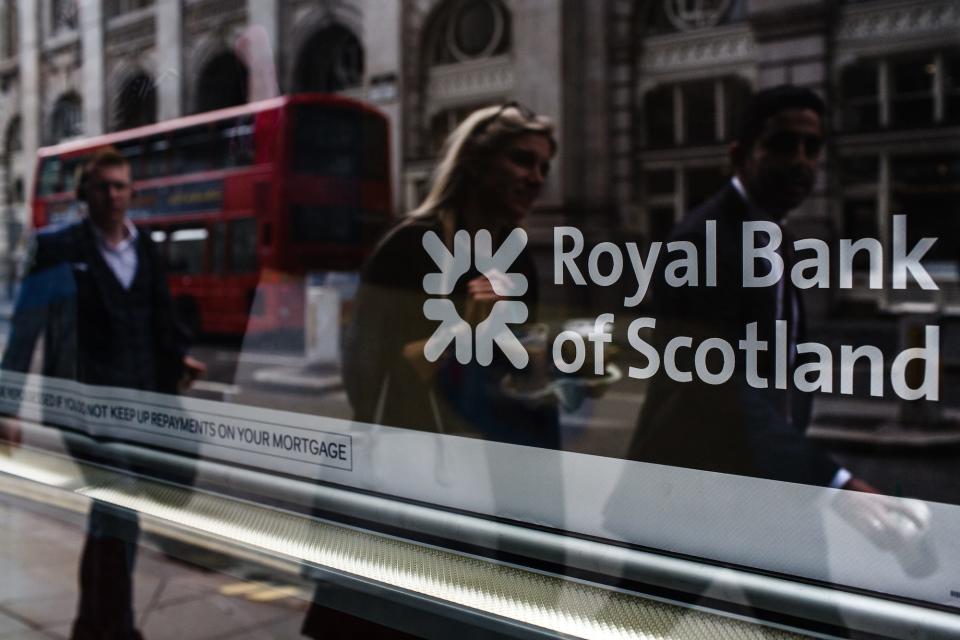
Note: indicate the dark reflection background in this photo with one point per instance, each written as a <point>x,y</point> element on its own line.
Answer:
<point>645,96</point>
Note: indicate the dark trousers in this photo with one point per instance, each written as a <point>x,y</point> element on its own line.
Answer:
<point>106,575</point>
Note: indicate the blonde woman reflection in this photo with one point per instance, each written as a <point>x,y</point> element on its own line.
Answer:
<point>493,168</point>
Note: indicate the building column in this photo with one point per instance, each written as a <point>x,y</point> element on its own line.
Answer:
<point>383,53</point>
<point>30,101</point>
<point>91,44</point>
<point>169,74</point>
<point>258,48</point>
<point>793,48</point>
<point>538,53</point>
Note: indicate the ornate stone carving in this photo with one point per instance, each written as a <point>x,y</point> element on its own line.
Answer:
<point>201,15</point>
<point>130,36</point>
<point>870,23</point>
<point>454,83</point>
<point>672,53</point>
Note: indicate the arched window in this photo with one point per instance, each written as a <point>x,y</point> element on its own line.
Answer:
<point>136,103</point>
<point>331,60</point>
<point>469,29</point>
<point>222,83</point>
<point>66,121</point>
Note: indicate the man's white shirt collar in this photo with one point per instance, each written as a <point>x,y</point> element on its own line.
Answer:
<point>121,258</point>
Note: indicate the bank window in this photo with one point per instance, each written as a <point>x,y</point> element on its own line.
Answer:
<point>908,91</point>
<point>924,188</point>
<point>912,91</point>
<point>694,113</point>
<point>861,95</point>
<point>659,117</point>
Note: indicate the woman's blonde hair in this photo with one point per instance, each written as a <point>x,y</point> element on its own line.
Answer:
<point>482,133</point>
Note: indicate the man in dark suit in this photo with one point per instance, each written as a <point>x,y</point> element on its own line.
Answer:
<point>97,292</point>
<point>736,427</point>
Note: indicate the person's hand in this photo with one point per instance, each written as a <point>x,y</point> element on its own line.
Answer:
<point>856,484</point>
<point>890,523</point>
<point>192,369</point>
<point>11,432</point>
<point>481,296</point>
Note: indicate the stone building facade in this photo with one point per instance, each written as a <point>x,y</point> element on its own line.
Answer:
<point>645,92</point>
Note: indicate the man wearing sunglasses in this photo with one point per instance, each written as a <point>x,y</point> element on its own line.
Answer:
<point>739,427</point>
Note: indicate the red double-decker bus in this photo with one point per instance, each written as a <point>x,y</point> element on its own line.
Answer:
<point>245,202</point>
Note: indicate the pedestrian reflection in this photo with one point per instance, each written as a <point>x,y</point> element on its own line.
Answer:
<point>97,292</point>
<point>740,426</point>
<point>435,269</point>
<point>446,312</point>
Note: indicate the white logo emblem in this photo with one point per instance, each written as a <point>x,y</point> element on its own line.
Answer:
<point>496,267</point>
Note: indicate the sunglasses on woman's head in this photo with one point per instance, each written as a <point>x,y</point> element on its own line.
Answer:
<point>526,112</point>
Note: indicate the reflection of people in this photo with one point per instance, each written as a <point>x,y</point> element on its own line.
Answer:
<point>734,427</point>
<point>494,167</point>
<point>98,293</point>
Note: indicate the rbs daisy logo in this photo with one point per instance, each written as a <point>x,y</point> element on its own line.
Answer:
<point>496,267</point>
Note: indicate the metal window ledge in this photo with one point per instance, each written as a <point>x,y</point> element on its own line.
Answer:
<point>515,600</point>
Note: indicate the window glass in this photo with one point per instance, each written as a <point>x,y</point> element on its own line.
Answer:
<point>243,245</point>
<point>912,81</point>
<point>699,109</point>
<point>343,144</point>
<point>59,175</point>
<point>659,117</point>
<point>859,170</point>
<point>660,181</point>
<point>224,144</point>
<point>218,247</point>
<point>476,318</point>
<point>926,185</point>
<point>860,85</point>
<point>952,86</point>
<point>187,249</point>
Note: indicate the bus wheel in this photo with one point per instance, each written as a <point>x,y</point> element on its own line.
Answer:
<point>188,314</point>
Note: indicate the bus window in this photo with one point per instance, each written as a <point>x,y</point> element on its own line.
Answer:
<point>325,224</point>
<point>49,176</point>
<point>211,147</point>
<point>234,142</point>
<point>218,247</point>
<point>154,163</point>
<point>186,250</point>
<point>243,245</point>
<point>339,143</point>
<point>58,175</point>
<point>190,148</point>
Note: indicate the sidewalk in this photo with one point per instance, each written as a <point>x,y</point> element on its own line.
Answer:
<point>39,559</point>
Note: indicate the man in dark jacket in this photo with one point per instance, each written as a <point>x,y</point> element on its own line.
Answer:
<point>738,427</point>
<point>98,294</point>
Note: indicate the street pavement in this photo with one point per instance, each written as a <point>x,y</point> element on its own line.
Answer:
<point>174,600</point>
